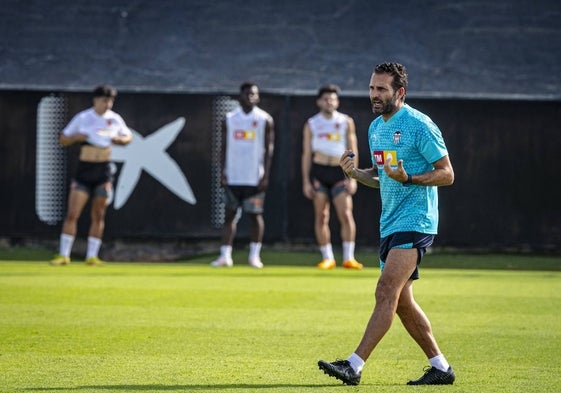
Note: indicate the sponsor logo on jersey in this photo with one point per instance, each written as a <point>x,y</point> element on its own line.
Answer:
<point>380,156</point>
<point>330,136</point>
<point>103,132</point>
<point>246,135</point>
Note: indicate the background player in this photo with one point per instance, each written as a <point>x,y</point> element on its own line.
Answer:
<point>325,137</point>
<point>247,152</point>
<point>96,129</point>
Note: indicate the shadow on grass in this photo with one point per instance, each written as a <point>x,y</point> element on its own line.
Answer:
<point>186,387</point>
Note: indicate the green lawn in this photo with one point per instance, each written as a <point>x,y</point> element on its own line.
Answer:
<point>186,327</point>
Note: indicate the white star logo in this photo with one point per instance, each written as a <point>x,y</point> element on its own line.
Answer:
<point>149,154</point>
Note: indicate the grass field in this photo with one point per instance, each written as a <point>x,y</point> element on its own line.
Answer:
<point>186,327</point>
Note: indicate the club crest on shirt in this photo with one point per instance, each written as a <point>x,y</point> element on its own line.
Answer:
<point>396,137</point>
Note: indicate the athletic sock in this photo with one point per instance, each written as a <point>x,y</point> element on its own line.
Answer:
<point>356,362</point>
<point>327,251</point>
<point>226,251</point>
<point>66,242</point>
<point>439,362</point>
<point>254,251</point>
<point>348,251</point>
<point>93,247</point>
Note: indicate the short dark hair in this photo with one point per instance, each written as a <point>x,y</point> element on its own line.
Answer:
<point>247,85</point>
<point>105,91</point>
<point>330,88</point>
<point>397,71</point>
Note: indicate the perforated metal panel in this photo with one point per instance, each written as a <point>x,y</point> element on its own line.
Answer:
<point>220,107</point>
<point>50,183</point>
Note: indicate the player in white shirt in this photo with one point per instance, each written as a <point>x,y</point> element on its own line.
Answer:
<point>325,137</point>
<point>247,152</point>
<point>96,129</point>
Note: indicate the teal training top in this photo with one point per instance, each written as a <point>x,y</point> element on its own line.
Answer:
<point>411,136</point>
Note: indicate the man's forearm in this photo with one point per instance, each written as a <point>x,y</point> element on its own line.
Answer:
<point>365,176</point>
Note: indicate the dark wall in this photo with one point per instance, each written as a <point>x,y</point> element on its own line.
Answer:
<point>506,162</point>
<point>504,154</point>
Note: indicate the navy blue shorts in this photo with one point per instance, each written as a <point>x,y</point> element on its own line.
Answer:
<point>406,240</point>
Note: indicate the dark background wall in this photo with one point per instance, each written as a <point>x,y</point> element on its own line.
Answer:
<point>504,197</point>
<point>486,72</point>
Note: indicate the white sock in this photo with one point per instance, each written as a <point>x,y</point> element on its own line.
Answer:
<point>439,362</point>
<point>226,251</point>
<point>93,247</point>
<point>66,242</point>
<point>356,362</point>
<point>327,251</point>
<point>348,251</point>
<point>254,251</point>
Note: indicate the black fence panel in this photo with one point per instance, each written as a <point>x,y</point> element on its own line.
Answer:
<point>504,154</point>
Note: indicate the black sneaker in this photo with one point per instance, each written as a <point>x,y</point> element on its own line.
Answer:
<point>342,370</point>
<point>434,376</point>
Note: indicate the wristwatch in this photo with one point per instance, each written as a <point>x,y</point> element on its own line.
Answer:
<point>409,181</point>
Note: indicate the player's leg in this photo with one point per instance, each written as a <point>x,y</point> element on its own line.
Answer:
<point>77,199</point>
<point>229,228</point>
<point>253,207</point>
<point>419,327</point>
<point>343,203</point>
<point>257,229</point>
<point>100,201</point>
<point>321,182</point>
<point>416,322</point>
<point>399,265</point>
<point>322,206</point>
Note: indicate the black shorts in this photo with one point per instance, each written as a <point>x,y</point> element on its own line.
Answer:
<point>417,240</point>
<point>92,176</point>
<point>327,179</point>
<point>248,198</point>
